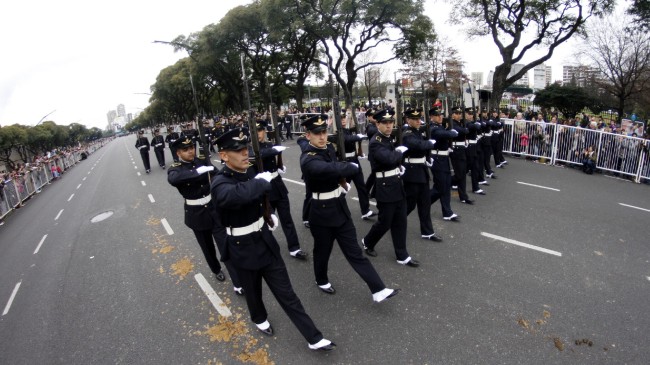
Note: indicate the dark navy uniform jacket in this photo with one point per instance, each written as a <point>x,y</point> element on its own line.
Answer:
<point>383,157</point>
<point>158,142</point>
<point>371,130</point>
<point>269,160</point>
<point>322,172</point>
<point>142,141</point>
<point>442,136</point>
<point>238,200</point>
<point>191,185</point>
<point>171,137</point>
<point>351,140</point>
<point>418,146</point>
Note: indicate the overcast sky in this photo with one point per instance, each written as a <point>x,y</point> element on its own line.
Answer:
<point>79,59</point>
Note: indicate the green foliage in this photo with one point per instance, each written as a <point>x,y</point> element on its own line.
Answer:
<point>568,99</point>
<point>640,10</point>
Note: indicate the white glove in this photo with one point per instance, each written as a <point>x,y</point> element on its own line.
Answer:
<point>362,136</point>
<point>362,157</point>
<point>429,162</point>
<point>275,223</point>
<point>347,188</point>
<point>402,149</point>
<point>279,148</point>
<point>282,170</point>
<point>354,164</point>
<point>455,132</point>
<point>203,169</point>
<point>265,175</point>
<point>402,170</point>
<point>432,141</point>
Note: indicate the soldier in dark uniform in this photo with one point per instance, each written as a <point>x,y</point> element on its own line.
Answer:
<point>385,161</point>
<point>279,195</point>
<point>329,215</point>
<point>190,132</point>
<point>170,139</point>
<point>287,126</point>
<point>351,155</point>
<point>486,144</point>
<point>459,155</point>
<point>158,144</point>
<point>416,176</point>
<point>192,179</point>
<point>371,130</point>
<point>497,139</point>
<point>250,246</point>
<point>142,144</point>
<point>440,170</point>
<point>473,160</point>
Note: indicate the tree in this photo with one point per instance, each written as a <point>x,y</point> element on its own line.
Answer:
<point>346,29</point>
<point>640,10</point>
<point>622,58</point>
<point>547,24</point>
<point>11,137</point>
<point>568,99</point>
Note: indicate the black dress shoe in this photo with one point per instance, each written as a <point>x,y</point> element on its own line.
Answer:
<point>467,201</point>
<point>300,255</point>
<point>220,276</point>
<point>413,263</point>
<point>370,252</point>
<point>329,290</point>
<point>433,237</point>
<point>268,331</point>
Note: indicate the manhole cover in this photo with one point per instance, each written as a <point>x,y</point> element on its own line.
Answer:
<point>101,216</point>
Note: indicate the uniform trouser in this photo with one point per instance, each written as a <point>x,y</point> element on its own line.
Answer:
<point>442,184</point>
<point>479,162</point>
<point>277,278</point>
<point>205,239</point>
<point>360,185</point>
<point>391,216</point>
<point>160,156</point>
<point>346,236</point>
<point>288,128</point>
<point>474,165</point>
<point>174,156</point>
<point>370,183</point>
<point>418,194</point>
<point>459,163</point>
<point>487,154</point>
<point>497,149</point>
<point>145,159</point>
<point>305,204</point>
<point>288,227</point>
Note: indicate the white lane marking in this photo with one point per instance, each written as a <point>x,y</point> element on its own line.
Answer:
<point>78,186</point>
<point>526,245</point>
<point>143,183</point>
<point>133,162</point>
<point>294,181</point>
<point>632,206</point>
<point>218,304</point>
<point>39,245</point>
<point>70,198</point>
<point>11,298</point>
<point>151,198</point>
<point>168,228</point>
<point>537,186</point>
<point>135,167</point>
<point>88,172</point>
<point>58,215</point>
<point>371,202</point>
<point>84,179</point>
<point>139,173</point>
<point>648,277</point>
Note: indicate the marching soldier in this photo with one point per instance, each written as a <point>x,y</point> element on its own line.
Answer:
<point>416,176</point>
<point>351,155</point>
<point>192,179</point>
<point>250,245</point>
<point>473,159</point>
<point>158,144</point>
<point>497,139</point>
<point>440,169</point>
<point>486,145</point>
<point>371,130</point>
<point>329,215</point>
<point>279,195</point>
<point>142,144</point>
<point>385,161</point>
<point>459,156</point>
<point>170,139</point>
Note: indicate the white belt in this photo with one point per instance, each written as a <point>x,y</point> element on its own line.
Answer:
<point>458,144</point>
<point>389,173</point>
<point>274,174</point>
<point>329,195</point>
<point>203,201</point>
<point>242,231</point>
<point>473,141</point>
<point>158,145</point>
<point>488,133</point>
<point>415,160</point>
<point>350,154</point>
<point>440,153</point>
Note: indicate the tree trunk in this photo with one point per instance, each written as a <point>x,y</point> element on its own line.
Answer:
<point>621,105</point>
<point>498,85</point>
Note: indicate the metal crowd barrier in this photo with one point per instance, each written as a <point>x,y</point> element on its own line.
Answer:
<point>18,190</point>
<point>616,153</point>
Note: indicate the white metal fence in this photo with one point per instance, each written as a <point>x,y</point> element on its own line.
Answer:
<point>616,153</point>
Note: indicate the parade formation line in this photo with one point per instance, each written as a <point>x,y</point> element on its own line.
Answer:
<point>11,298</point>
<point>218,304</point>
<point>39,245</point>
<point>632,206</point>
<point>537,186</point>
<point>522,244</point>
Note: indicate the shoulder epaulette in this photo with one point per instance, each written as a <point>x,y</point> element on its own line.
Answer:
<point>378,138</point>
<point>311,153</point>
<point>176,164</point>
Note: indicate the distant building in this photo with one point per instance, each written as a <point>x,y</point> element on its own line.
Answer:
<point>477,79</point>
<point>523,81</point>
<point>541,76</point>
<point>110,116</point>
<point>580,74</point>
<point>488,82</point>
<point>121,112</point>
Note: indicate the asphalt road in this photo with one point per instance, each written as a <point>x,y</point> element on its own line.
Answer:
<point>123,290</point>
